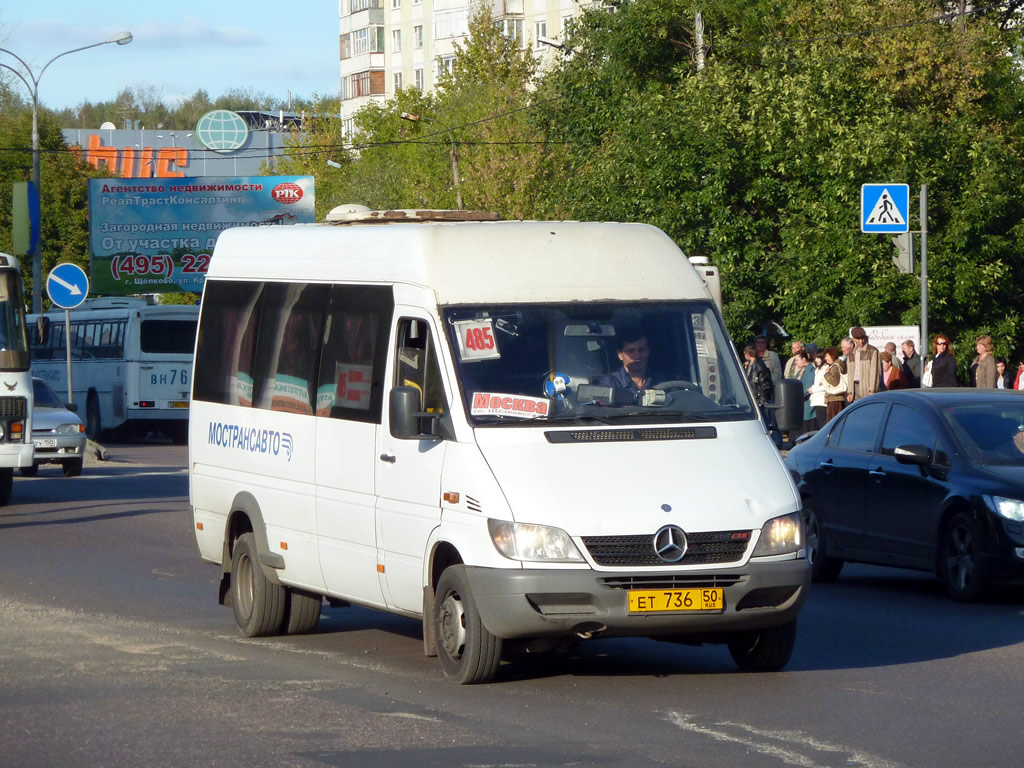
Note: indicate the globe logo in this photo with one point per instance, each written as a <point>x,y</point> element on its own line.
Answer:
<point>222,131</point>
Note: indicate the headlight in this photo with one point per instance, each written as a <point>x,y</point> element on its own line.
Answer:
<point>1011,509</point>
<point>518,541</point>
<point>781,536</point>
<point>69,429</point>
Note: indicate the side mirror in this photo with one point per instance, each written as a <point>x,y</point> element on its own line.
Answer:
<point>73,407</point>
<point>403,407</point>
<point>918,455</point>
<point>406,419</point>
<point>789,405</point>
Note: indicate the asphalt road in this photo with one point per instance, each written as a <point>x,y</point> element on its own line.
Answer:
<point>114,652</point>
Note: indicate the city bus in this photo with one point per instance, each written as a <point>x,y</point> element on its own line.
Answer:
<point>131,362</point>
<point>16,394</point>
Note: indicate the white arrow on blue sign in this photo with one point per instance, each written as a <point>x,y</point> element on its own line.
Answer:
<point>885,208</point>
<point>67,285</point>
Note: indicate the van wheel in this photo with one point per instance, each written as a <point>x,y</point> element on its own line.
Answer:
<point>30,471</point>
<point>468,652</point>
<point>6,484</point>
<point>764,650</point>
<point>301,611</point>
<point>961,566</point>
<point>93,421</point>
<point>824,569</point>
<point>258,604</point>
<point>72,467</point>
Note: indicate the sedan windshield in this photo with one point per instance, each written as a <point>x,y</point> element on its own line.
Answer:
<point>990,433</point>
<point>622,363</point>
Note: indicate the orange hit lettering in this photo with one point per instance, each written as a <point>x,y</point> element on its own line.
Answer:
<point>97,153</point>
<point>165,156</point>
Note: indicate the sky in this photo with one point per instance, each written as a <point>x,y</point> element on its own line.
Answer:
<point>178,47</point>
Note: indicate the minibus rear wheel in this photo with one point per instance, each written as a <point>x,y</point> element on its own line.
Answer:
<point>467,651</point>
<point>257,603</point>
<point>764,650</point>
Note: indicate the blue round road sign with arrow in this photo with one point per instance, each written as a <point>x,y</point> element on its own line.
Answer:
<point>67,285</point>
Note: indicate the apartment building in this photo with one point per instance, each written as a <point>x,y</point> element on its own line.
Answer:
<point>387,45</point>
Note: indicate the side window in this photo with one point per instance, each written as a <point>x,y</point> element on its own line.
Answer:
<point>227,342</point>
<point>351,382</point>
<point>906,426</point>
<point>860,427</point>
<point>416,364</point>
<point>288,346</point>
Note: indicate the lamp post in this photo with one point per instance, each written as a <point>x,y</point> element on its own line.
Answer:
<point>455,155</point>
<point>32,83</point>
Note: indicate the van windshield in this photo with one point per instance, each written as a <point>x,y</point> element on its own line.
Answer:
<point>621,363</point>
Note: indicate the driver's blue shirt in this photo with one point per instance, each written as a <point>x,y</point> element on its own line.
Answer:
<point>622,380</point>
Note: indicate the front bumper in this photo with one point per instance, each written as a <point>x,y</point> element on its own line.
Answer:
<point>66,447</point>
<point>552,603</point>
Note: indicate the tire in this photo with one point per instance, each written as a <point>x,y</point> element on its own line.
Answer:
<point>468,652</point>
<point>6,484</point>
<point>258,604</point>
<point>960,566</point>
<point>301,611</point>
<point>30,471</point>
<point>824,569</point>
<point>764,650</point>
<point>72,467</point>
<point>93,420</point>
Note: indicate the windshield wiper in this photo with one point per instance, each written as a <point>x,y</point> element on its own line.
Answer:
<point>579,418</point>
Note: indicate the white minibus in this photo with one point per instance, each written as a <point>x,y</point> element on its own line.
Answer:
<point>520,433</point>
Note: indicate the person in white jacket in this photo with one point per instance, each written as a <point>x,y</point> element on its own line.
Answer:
<point>817,390</point>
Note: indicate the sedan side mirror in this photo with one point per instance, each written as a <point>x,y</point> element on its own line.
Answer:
<point>918,455</point>
<point>73,407</point>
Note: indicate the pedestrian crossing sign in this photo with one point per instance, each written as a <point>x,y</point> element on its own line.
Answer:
<point>885,208</point>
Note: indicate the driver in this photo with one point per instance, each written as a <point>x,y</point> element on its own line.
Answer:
<point>635,375</point>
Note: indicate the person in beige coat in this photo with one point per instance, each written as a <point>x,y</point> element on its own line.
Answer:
<point>986,373</point>
<point>863,367</point>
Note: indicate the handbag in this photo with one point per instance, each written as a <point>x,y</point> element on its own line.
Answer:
<point>926,377</point>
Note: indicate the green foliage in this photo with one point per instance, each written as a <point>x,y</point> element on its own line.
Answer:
<point>758,161</point>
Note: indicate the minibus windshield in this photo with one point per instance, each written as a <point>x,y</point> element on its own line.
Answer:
<point>614,363</point>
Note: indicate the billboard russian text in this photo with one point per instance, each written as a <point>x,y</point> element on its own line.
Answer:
<point>157,235</point>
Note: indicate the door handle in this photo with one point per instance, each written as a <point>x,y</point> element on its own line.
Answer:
<point>388,457</point>
<point>876,473</point>
<point>827,465</point>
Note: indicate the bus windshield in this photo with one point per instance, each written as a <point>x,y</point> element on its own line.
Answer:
<point>13,338</point>
<point>621,363</point>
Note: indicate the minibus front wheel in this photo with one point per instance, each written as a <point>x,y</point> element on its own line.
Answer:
<point>258,604</point>
<point>467,651</point>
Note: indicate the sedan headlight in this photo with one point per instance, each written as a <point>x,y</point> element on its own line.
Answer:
<point>519,541</point>
<point>1011,509</point>
<point>69,429</point>
<point>781,536</point>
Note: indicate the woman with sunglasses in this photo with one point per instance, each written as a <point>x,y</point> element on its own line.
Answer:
<point>943,364</point>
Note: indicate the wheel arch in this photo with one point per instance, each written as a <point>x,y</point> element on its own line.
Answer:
<point>247,517</point>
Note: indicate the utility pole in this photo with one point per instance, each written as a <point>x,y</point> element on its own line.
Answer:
<point>924,267</point>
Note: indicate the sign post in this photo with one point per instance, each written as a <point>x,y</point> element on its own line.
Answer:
<point>67,285</point>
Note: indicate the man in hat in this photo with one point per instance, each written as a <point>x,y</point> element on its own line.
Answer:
<point>863,368</point>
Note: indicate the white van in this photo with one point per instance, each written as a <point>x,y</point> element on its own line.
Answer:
<point>430,415</point>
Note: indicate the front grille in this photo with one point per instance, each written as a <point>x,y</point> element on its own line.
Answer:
<point>705,548</point>
<point>627,435</point>
<point>673,581</point>
<point>13,407</point>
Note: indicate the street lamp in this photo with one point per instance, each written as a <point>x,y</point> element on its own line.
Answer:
<point>455,155</point>
<point>32,83</point>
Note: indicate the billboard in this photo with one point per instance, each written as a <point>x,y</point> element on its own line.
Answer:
<point>157,235</point>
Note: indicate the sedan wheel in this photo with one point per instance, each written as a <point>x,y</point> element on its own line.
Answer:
<point>964,577</point>
<point>823,568</point>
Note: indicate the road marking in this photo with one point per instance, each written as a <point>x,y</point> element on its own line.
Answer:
<point>410,716</point>
<point>789,751</point>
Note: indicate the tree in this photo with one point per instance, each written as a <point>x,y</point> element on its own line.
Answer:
<point>758,161</point>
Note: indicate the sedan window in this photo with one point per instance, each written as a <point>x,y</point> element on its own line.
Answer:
<point>906,427</point>
<point>860,427</point>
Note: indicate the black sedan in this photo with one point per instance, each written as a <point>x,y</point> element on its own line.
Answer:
<point>930,479</point>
